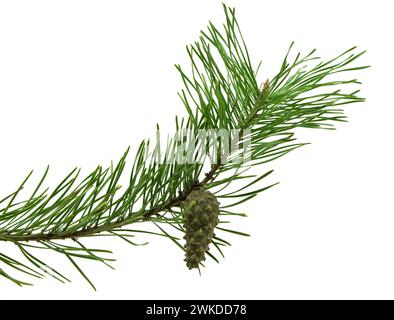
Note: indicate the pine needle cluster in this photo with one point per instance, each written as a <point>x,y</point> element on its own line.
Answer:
<point>220,91</point>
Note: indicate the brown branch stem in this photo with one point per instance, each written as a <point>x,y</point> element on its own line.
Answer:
<point>174,202</point>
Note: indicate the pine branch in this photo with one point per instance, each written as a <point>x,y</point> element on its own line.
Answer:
<point>221,91</point>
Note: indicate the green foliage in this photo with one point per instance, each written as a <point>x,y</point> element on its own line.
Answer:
<point>220,91</point>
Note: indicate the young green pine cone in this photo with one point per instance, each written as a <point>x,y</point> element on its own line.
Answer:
<point>201,215</point>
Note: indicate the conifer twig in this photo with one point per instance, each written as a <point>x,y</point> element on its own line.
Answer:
<point>221,91</point>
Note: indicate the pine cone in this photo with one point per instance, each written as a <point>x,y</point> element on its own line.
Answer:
<point>201,215</point>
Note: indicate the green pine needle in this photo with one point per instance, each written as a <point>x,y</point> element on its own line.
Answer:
<point>221,91</point>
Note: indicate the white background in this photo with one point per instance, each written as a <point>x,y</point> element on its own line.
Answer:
<point>82,80</point>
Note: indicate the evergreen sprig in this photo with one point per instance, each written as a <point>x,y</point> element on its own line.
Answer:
<point>221,91</point>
